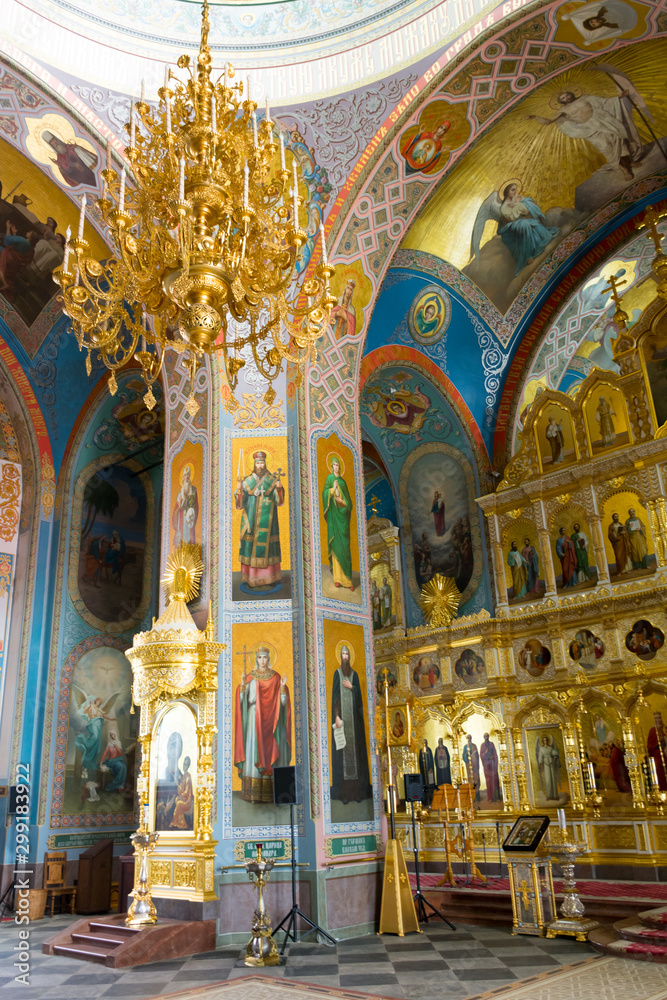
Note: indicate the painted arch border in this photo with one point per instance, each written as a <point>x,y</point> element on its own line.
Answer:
<point>393,355</point>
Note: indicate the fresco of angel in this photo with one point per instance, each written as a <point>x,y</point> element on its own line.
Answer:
<point>521,224</point>
<point>93,711</point>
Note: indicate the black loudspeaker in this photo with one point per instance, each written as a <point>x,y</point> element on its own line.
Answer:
<point>285,786</point>
<point>414,787</point>
<point>11,806</point>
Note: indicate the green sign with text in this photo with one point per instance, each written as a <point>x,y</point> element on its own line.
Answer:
<point>271,849</point>
<point>67,841</point>
<point>365,844</point>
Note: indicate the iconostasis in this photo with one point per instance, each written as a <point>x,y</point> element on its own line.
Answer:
<point>558,699</point>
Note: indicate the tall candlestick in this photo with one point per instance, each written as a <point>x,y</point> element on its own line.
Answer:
<point>166,76</point>
<point>295,195</point>
<point>282,151</point>
<point>143,91</point>
<point>268,111</point>
<point>214,116</point>
<point>654,772</point>
<point>181,179</point>
<point>133,128</point>
<point>591,776</point>
<point>121,194</point>
<point>68,236</point>
<point>108,154</point>
<point>561,819</point>
<point>82,217</point>
<point>254,129</point>
<point>325,259</point>
<point>245,186</point>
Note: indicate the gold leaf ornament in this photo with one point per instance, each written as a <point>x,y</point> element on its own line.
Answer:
<point>439,600</point>
<point>183,573</point>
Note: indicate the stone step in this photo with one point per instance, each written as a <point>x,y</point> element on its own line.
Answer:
<point>654,918</point>
<point>631,930</point>
<point>89,953</point>
<point>641,952</point>
<point>118,929</point>
<point>99,940</point>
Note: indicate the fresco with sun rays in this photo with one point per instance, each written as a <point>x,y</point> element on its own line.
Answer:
<point>572,145</point>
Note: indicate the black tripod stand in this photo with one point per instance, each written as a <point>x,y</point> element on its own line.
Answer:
<point>7,901</point>
<point>291,917</point>
<point>419,898</point>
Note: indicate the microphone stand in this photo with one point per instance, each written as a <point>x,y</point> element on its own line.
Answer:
<point>419,898</point>
<point>291,918</point>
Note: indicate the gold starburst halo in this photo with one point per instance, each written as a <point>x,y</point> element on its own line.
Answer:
<point>183,573</point>
<point>439,600</point>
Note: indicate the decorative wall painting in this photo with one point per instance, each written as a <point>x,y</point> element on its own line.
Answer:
<point>101,736</point>
<point>554,435</point>
<point>392,679</point>
<point>429,315</point>
<point>36,213</point>
<point>398,725</point>
<point>426,673</point>
<point>602,735</point>
<point>533,177</point>
<point>594,25</point>
<point>264,710</point>
<point>402,409</point>
<point>339,542</point>
<point>606,419</point>
<point>586,649</point>
<point>112,543</point>
<point>353,291</point>
<point>437,486</point>
<point>572,549</point>
<point>652,736</point>
<point>441,127</point>
<point>628,542</point>
<point>53,142</point>
<point>383,596</point>
<point>439,741</point>
<point>534,658</point>
<point>348,722</point>
<point>260,542</point>
<point>548,770</point>
<point>174,770</point>
<point>524,563</point>
<point>186,495</point>
<point>470,668</point>
<point>644,639</point>
<point>480,761</point>
<point>654,355</point>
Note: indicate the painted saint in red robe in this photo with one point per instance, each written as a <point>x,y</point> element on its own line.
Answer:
<point>262,728</point>
<point>656,746</point>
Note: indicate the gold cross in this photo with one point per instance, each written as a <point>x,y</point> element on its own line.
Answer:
<point>523,892</point>
<point>620,317</point>
<point>651,219</point>
<point>374,501</point>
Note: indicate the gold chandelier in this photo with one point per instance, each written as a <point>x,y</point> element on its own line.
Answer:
<point>205,243</point>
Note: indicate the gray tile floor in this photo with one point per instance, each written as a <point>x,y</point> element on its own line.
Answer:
<point>441,963</point>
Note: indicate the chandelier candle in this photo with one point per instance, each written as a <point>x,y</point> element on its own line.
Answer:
<point>68,236</point>
<point>201,236</point>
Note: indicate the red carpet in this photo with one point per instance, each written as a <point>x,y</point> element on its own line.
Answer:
<point>610,890</point>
